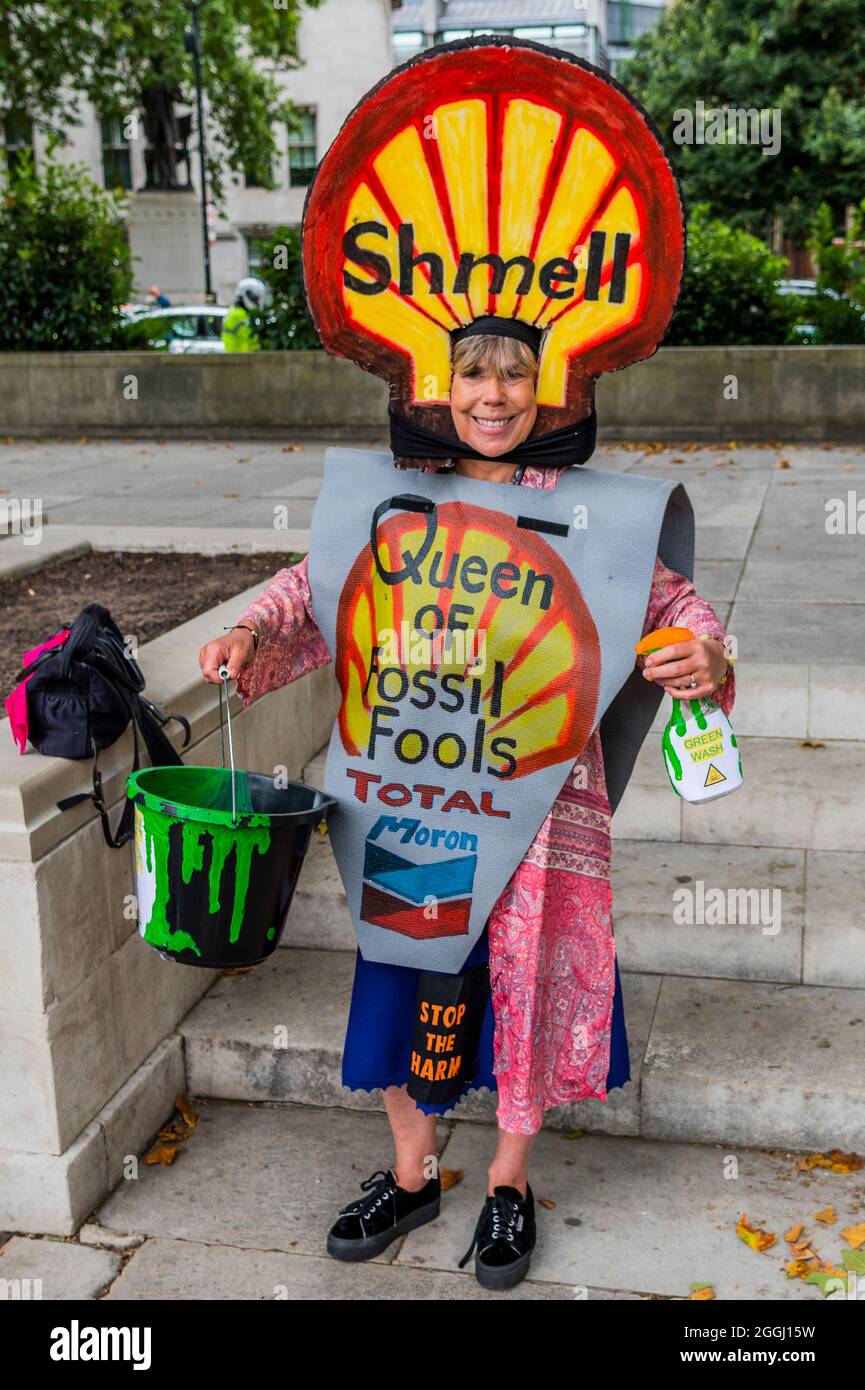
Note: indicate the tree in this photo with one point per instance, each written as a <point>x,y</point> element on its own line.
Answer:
<point>64,261</point>
<point>114,51</point>
<point>728,293</point>
<point>285,323</point>
<point>803,58</point>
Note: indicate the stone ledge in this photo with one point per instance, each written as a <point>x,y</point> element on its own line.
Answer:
<point>83,1002</point>
<point>794,393</point>
<point>54,1193</point>
<point>64,542</point>
<point>31,784</point>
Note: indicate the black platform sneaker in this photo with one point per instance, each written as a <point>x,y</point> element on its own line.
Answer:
<point>366,1227</point>
<point>504,1237</point>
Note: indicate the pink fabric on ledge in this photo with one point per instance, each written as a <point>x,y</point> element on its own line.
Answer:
<point>16,703</point>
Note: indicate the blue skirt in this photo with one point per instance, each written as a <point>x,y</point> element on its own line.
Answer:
<point>379,1033</point>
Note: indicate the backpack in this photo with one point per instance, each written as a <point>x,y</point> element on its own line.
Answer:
<point>81,696</point>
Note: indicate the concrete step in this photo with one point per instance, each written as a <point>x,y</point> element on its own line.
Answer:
<point>680,908</point>
<point>792,797</point>
<point>712,1061</point>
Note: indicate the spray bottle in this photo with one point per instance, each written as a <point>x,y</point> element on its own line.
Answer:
<point>700,751</point>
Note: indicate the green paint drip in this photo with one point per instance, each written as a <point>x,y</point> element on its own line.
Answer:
<point>677,722</point>
<point>670,753</point>
<point>243,848</point>
<point>193,851</point>
<point>697,711</point>
<point>255,835</point>
<point>158,932</point>
<point>736,746</point>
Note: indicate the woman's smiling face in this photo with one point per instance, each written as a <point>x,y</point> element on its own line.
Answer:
<point>493,406</point>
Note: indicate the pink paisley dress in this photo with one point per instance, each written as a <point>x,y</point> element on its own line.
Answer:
<point>552,953</point>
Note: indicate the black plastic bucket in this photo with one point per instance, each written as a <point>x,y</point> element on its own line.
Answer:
<point>217,857</point>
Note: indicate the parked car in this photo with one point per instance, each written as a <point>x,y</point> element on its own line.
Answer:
<point>830,308</point>
<point>182,328</point>
<point>805,287</point>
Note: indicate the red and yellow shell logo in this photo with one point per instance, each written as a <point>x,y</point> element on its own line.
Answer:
<point>515,604</point>
<point>492,177</point>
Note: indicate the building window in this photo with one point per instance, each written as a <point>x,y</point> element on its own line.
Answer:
<point>17,139</point>
<point>408,39</point>
<point>258,178</point>
<point>301,148</point>
<point>116,163</point>
<point>255,248</point>
<point>627,22</point>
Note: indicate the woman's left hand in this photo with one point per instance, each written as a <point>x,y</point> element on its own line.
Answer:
<point>673,666</point>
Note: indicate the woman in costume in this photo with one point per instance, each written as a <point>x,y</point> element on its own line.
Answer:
<point>551,1030</point>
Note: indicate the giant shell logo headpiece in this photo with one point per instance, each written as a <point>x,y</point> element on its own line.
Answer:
<point>493,176</point>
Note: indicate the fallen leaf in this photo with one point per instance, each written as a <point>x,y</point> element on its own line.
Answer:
<point>827,1216</point>
<point>245,458</point>
<point>451,1177</point>
<point>161,1153</point>
<point>190,1116</point>
<point>292,448</point>
<point>811,743</point>
<point>855,1235</point>
<point>574,1134</point>
<point>823,1277</point>
<point>231,494</point>
<point>700,1292</point>
<point>835,1161</point>
<point>782,463</point>
<point>172,1134</point>
<point>794,1232</point>
<point>546,1203</point>
<point>753,1236</point>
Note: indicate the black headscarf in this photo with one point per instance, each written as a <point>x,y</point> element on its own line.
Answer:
<point>561,448</point>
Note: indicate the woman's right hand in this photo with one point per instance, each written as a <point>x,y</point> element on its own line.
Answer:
<point>235,650</point>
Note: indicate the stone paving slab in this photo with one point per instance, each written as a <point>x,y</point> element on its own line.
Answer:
<point>648,1218</point>
<point>243,1213</point>
<point>256,1177</point>
<point>184,1269</point>
<point>64,1269</point>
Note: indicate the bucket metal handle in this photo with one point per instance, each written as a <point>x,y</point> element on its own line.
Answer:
<point>223,672</point>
